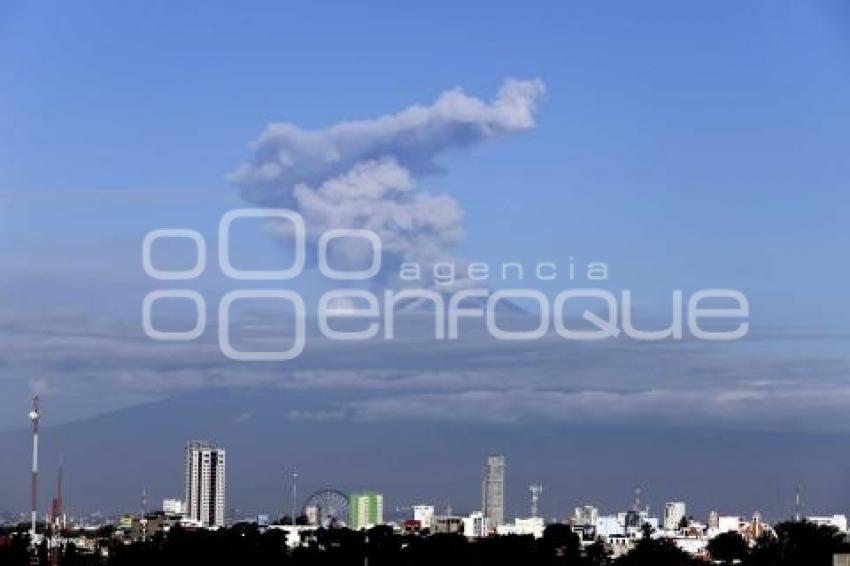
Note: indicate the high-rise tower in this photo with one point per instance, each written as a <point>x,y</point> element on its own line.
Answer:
<point>365,510</point>
<point>205,483</point>
<point>493,491</point>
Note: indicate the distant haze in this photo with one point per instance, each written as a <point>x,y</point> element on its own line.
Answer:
<point>110,459</point>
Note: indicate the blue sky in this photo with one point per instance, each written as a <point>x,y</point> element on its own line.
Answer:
<point>685,145</point>
<point>688,145</point>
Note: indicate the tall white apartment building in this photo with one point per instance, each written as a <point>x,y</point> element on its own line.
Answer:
<point>205,483</point>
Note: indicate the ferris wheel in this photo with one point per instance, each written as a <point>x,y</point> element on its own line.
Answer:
<point>327,507</point>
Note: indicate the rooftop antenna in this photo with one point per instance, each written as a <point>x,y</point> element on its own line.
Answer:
<point>35,417</point>
<point>57,518</point>
<point>57,509</point>
<point>798,504</point>
<point>636,506</point>
<point>294,495</point>
<point>535,490</point>
<point>143,522</point>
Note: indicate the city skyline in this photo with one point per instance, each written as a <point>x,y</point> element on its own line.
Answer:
<point>616,536</point>
<point>205,488</point>
<point>633,532</point>
<point>204,501</point>
<point>364,248</point>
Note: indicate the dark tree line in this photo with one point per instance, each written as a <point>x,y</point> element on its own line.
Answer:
<point>794,544</point>
<point>245,544</point>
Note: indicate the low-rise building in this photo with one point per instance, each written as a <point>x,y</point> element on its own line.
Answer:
<point>584,516</point>
<point>837,521</point>
<point>424,514</point>
<point>296,535</point>
<point>531,526</point>
<point>447,524</point>
<point>173,507</point>
<point>476,525</point>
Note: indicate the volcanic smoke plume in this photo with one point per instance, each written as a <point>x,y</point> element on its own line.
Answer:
<point>363,174</point>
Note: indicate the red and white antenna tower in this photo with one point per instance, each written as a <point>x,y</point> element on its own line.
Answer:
<point>34,416</point>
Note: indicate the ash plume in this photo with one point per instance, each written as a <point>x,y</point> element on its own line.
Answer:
<point>365,173</point>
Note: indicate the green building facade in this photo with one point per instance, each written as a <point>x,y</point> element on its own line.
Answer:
<point>365,509</point>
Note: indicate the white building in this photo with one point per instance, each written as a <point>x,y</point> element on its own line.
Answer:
<point>653,522</point>
<point>714,520</point>
<point>424,514</point>
<point>205,483</point>
<point>173,507</point>
<point>532,526</point>
<point>295,534</point>
<point>627,525</point>
<point>188,523</point>
<point>609,525</point>
<point>447,524</point>
<point>695,546</point>
<point>585,515</point>
<point>837,521</point>
<point>619,545</point>
<point>312,513</point>
<point>476,525</point>
<point>729,523</point>
<point>674,512</point>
